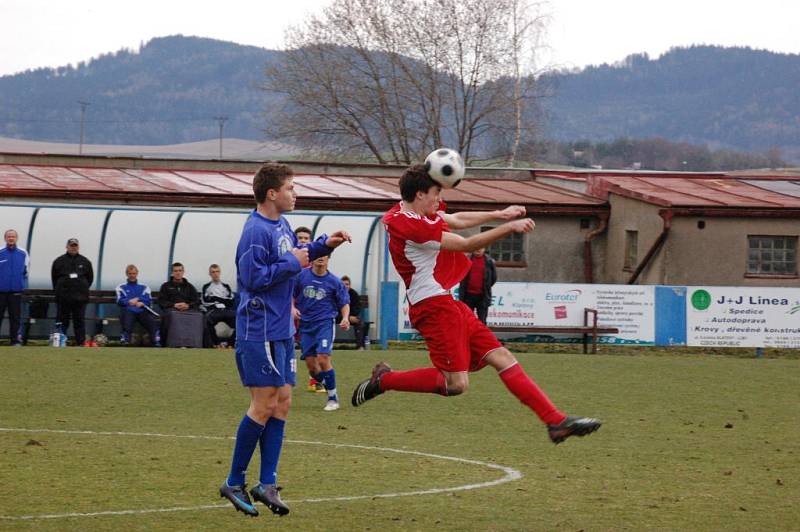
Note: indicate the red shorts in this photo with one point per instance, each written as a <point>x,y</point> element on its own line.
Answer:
<point>457,340</point>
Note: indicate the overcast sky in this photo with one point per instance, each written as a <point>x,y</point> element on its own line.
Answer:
<point>39,33</point>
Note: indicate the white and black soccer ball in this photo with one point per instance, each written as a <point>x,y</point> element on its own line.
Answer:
<point>101,340</point>
<point>446,167</point>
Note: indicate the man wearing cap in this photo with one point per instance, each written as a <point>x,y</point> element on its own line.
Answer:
<point>72,275</point>
<point>14,266</point>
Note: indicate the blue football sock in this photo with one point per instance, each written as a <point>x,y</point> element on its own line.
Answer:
<point>330,383</point>
<point>247,437</point>
<point>271,443</point>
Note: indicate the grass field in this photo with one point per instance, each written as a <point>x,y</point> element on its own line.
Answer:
<point>689,443</point>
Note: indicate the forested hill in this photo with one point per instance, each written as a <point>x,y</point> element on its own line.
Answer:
<point>169,91</point>
<point>172,88</point>
<point>736,98</point>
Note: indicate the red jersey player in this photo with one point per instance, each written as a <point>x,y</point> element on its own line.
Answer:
<point>431,260</point>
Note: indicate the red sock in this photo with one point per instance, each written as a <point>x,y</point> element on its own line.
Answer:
<point>524,389</point>
<point>423,380</point>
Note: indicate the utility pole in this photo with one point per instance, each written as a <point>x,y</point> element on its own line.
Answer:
<point>221,120</point>
<point>83,105</point>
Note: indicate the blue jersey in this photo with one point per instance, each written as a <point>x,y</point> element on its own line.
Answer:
<point>319,297</point>
<point>127,291</point>
<point>265,273</point>
<point>14,266</point>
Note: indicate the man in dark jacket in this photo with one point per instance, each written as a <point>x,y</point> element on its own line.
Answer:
<point>475,289</point>
<point>14,267</point>
<point>176,295</point>
<point>355,314</point>
<point>72,275</point>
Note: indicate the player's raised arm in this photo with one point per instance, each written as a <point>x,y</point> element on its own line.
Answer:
<point>453,242</point>
<point>468,219</point>
<point>338,238</point>
<point>258,272</point>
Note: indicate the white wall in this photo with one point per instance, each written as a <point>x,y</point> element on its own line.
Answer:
<point>141,238</point>
<point>52,229</point>
<point>206,238</point>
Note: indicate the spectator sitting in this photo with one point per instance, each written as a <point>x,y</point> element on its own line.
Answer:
<point>217,301</point>
<point>176,295</point>
<point>135,300</point>
<point>355,314</point>
<point>72,275</point>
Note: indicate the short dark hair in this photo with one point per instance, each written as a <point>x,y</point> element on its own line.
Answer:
<point>303,229</point>
<point>346,278</point>
<point>214,266</point>
<point>176,265</point>
<point>270,176</point>
<point>415,179</point>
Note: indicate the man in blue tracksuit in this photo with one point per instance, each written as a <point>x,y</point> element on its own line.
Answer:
<point>14,267</point>
<point>268,260</point>
<point>135,300</point>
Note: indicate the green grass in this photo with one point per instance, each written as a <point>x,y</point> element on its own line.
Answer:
<point>689,443</point>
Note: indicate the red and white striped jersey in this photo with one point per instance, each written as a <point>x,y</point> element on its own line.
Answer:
<point>415,246</point>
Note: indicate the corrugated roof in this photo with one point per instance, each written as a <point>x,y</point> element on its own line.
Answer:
<point>703,190</point>
<point>315,190</point>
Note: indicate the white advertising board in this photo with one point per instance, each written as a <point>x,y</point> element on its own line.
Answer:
<point>730,316</point>
<point>630,308</point>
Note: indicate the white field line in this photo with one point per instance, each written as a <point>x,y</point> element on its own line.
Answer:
<point>510,474</point>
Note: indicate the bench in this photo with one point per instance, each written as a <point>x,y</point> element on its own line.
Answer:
<point>589,328</point>
<point>349,335</point>
<point>43,298</point>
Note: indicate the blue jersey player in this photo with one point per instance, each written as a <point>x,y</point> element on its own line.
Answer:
<point>268,260</point>
<point>318,297</point>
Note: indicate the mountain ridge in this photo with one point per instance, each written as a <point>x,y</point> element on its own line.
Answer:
<point>180,89</point>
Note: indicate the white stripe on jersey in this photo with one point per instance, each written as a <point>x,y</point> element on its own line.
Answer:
<point>423,256</point>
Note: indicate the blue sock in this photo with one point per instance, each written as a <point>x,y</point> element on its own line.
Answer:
<point>330,383</point>
<point>246,440</point>
<point>271,443</point>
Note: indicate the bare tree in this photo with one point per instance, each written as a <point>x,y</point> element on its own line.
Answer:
<point>395,79</point>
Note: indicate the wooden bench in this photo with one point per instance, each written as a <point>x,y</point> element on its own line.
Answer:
<point>589,328</point>
<point>44,297</point>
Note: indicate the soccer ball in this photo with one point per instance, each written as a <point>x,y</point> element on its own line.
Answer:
<point>446,167</point>
<point>101,340</point>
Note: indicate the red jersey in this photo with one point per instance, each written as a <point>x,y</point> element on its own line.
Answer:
<point>415,246</point>
<point>476,274</point>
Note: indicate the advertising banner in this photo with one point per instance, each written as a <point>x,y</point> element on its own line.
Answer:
<point>730,316</point>
<point>630,308</point>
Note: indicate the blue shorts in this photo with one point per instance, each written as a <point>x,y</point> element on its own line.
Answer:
<point>266,363</point>
<point>316,338</point>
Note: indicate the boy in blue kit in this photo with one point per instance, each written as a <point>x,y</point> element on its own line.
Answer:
<point>319,296</point>
<point>135,300</point>
<point>267,263</point>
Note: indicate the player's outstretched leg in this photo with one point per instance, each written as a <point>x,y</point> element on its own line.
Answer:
<point>572,426</point>
<point>239,498</point>
<point>371,387</point>
<point>268,494</point>
<point>559,425</point>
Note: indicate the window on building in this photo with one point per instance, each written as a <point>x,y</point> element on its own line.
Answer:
<point>772,255</point>
<point>631,250</point>
<point>508,251</point>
